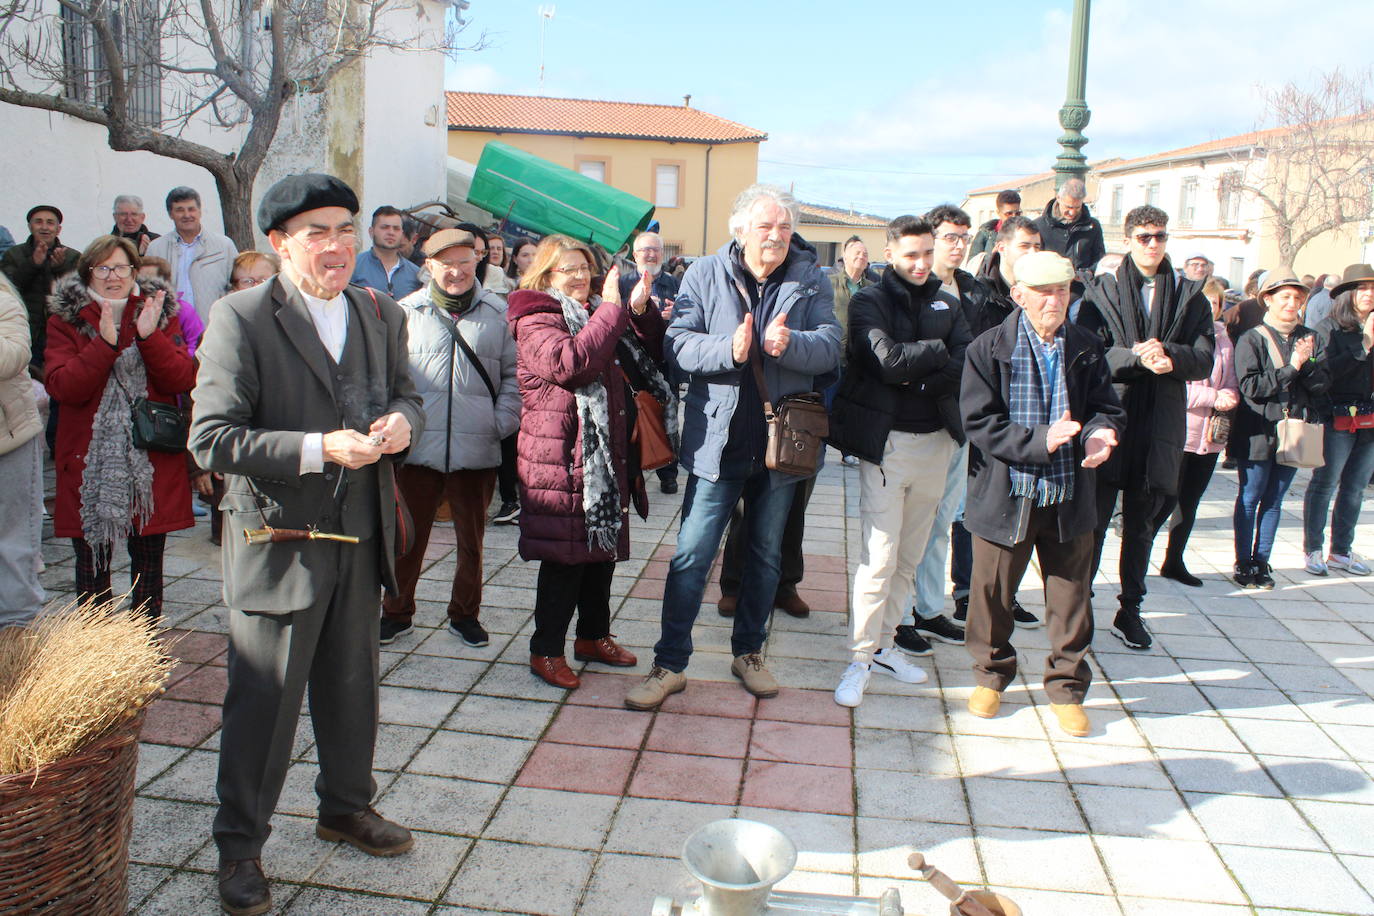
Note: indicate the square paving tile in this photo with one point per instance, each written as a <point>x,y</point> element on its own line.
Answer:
<point>575,820</point>
<point>623,885</point>
<point>793,742</point>
<point>599,727</point>
<point>182,724</point>
<point>502,716</point>
<point>1348,828</point>
<point>1022,858</point>
<point>1121,811</point>
<point>439,804</point>
<point>825,843</point>
<point>913,752</point>
<point>511,877</point>
<point>1292,878</point>
<point>682,777</point>
<point>709,698</point>
<point>885,844</point>
<point>816,707</point>
<point>799,787</point>
<point>485,758</point>
<point>574,768</point>
<point>713,736</point>
<point>1022,803</point>
<point>423,872</point>
<point>659,827</point>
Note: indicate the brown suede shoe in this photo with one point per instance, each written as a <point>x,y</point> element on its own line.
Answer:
<point>791,604</point>
<point>554,671</point>
<point>984,702</point>
<point>604,650</point>
<point>727,604</point>
<point>367,830</point>
<point>243,888</point>
<point>1072,719</point>
<point>657,686</point>
<point>755,677</point>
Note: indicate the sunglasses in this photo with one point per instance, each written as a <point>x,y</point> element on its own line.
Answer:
<point>1144,238</point>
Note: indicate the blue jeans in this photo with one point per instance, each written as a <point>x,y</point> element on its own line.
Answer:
<point>706,507</point>
<point>930,574</point>
<point>1349,463</point>
<point>1262,486</point>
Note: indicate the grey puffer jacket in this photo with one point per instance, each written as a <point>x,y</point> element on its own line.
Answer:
<point>463,428</point>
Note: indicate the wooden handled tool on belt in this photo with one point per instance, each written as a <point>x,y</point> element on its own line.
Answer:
<point>963,904</point>
<point>269,535</point>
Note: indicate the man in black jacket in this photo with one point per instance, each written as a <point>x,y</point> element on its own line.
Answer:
<point>1158,333</point>
<point>897,411</point>
<point>1067,226</point>
<point>1040,414</point>
<point>1017,238</point>
<point>1008,205</point>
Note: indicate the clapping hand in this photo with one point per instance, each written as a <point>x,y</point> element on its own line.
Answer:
<point>743,339</point>
<point>108,332</point>
<point>1302,351</point>
<point>1061,431</point>
<point>639,296</point>
<point>146,322</point>
<point>1097,448</point>
<point>776,336</point>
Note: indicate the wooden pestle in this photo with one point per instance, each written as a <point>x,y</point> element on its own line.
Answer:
<point>963,903</point>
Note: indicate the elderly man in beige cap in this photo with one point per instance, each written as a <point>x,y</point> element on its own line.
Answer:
<point>1040,414</point>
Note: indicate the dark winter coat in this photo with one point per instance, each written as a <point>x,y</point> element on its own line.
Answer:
<point>79,363</point>
<point>550,364</point>
<point>990,511</point>
<point>1350,367</point>
<point>1267,391</point>
<point>1157,405</point>
<point>35,283</point>
<point>1080,241</point>
<point>998,303</point>
<point>904,342</point>
<point>986,238</point>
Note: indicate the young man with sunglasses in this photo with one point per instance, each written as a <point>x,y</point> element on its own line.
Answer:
<point>1157,328</point>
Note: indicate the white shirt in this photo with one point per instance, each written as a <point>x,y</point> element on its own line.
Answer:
<point>330,317</point>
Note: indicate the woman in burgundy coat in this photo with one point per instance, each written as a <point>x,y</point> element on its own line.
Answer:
<point>576,361</point>
<point>111,341</point>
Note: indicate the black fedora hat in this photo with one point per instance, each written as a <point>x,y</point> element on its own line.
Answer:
<point>1354,275</point>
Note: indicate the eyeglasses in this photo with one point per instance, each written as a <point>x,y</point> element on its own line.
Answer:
<point>574,271</point>
<point>647,248</point>
<point>316,241</point>
<point>955,238</point>
<point>456,265</point>
<point>1144,238</point>
<point>122,271</point>
<point>246,282</point>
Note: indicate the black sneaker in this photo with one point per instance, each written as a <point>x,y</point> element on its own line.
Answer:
<point>961,609</point>
<point>942,628</point>
<point>1243,575</point>
<point>1023,617</point>
<point>390,629</point>
<point>469,631</point>
<point>1261,575</point>
<point>508,514</point>
<point>668,485</point>
<point>910,641</point>
<point>1130,629</point>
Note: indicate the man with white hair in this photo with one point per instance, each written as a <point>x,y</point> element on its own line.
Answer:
<point>128,222</point>
<point>648,253</point>
<point>1038,405</point>
<point>1069,228</point>
<point>760,299</point>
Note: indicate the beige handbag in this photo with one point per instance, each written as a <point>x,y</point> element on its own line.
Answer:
<point>1300,442</point>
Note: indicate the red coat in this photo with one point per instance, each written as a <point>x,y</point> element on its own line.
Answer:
<point>79,363</point>
<point>550,364</point>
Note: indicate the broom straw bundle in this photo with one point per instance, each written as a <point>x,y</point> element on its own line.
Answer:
<point>70,676</point>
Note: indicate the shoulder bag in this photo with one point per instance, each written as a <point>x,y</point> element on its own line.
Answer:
<point>452,327</point>
<point>797,427</point>
<point>157,427</point>
<point>1300,443</point>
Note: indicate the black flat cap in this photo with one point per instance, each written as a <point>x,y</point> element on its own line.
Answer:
<point>40,208</point>
<point>299,193</point>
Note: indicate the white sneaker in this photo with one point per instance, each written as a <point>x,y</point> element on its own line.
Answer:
<point>1315,564</point>
<point>851,690</point>
<point>1353,564</point>
<point>895,664</point>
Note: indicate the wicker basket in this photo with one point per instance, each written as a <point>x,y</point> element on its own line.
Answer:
<point>64,830</point>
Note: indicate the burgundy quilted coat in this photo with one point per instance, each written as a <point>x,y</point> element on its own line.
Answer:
<point>550,364</point>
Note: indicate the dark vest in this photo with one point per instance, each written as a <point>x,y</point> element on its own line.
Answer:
<point>354,510</point>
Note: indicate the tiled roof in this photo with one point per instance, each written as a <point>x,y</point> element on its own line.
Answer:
<point>1211,147</point>
<point>829,216</point>
<point>592,118</point>
<point>1016,184</point>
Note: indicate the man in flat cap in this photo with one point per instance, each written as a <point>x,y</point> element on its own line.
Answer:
<point>303,402</point>
<point>1040,414</point>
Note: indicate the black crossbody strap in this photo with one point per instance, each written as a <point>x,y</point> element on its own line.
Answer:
<point>452,328</point>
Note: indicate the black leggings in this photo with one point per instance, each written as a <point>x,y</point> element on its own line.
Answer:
<point>1194,475</point>
<point>562,589</point>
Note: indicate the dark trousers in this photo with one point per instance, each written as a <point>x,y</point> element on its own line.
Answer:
<point>960,559</point>
<point>1194,475</point>
<point>145,568</point>
<point>1139,508</point>
<point>791,565</point>
<point>332,647</point>
<point>997,573</point>
<point>584,588</point>
<point>468,494</point>
<point>507,480</point>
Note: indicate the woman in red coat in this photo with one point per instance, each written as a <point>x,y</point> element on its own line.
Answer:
<point>111,341</point>
<point>575,362</point>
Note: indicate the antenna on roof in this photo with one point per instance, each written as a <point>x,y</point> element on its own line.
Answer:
<point>545,14</point>
<point>687,100</point>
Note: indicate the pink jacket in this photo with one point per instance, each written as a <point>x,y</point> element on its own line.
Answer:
<point>1202,394</point>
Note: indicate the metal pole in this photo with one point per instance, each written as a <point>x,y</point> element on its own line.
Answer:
<point>1074,116</point>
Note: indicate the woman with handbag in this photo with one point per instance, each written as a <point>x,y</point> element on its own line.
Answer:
<point>575,356</point>
<point>1211,407</point>
<point>116,361</point>
<point>1283,376</point>
<point>1347,335</point>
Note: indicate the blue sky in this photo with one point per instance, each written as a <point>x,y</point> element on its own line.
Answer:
<point>893,107</point>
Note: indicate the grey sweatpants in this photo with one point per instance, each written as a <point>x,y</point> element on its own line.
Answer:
<point>21,532</point>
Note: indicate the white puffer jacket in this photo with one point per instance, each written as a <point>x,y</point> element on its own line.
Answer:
<point>463,428</point>
<point>19,420</point>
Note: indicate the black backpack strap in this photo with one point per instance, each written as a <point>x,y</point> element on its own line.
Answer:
<point>452,328</point>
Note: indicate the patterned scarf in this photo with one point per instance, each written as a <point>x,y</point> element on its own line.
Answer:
<point>600,491</point>
<point>1039,397</point>
<point>117,485</point>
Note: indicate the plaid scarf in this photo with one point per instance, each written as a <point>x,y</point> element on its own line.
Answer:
<point>1035,403</point>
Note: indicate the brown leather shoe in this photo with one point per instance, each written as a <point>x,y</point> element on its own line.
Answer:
<point>604,650</point>
<point>554,670</point>
<point>754,675</point>
<point>791,604</point>
<point>367,830</point>
<point>243,888</point>
<point>727,604</point>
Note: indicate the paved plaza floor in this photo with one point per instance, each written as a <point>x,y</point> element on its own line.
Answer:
<point>1228,771</point>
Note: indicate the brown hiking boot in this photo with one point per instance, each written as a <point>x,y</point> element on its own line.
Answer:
<point>655,688</point>
<point>984,702</point>
<point>755,677</point>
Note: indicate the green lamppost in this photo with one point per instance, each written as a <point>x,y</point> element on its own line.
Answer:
<point>1074,116</point>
